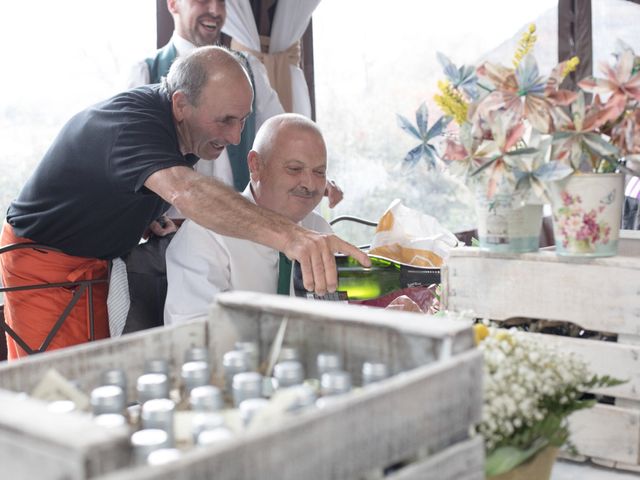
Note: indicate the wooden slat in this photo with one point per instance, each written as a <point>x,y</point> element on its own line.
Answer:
<point>616,465</point>
<point>607,432</point>
<point>604,358</point>
<point>403,322</point>
<point>462,461</point>
<point>600,294</point>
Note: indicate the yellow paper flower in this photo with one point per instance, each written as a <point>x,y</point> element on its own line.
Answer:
<point>570,66</point>
<point>525,45</point>
<point>451,102</point>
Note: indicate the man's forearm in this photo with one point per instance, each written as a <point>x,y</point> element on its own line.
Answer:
<point>217,207</point>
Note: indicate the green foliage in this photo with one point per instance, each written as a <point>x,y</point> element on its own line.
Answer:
<point>507,458</point>
<point>520,369</point>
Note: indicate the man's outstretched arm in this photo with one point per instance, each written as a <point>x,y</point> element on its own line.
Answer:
<point>217,207</point>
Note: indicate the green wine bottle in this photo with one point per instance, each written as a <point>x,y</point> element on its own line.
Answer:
<point>356,282</point>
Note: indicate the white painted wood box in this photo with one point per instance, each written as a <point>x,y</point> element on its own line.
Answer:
<point>421,415</point>
<point>602,295</point>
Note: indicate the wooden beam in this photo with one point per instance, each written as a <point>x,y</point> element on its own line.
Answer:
<point>307,66</point>
<point>164,23</point>
<point>575,37</point>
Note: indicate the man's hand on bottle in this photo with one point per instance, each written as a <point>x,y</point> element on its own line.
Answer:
<point>315,253</point>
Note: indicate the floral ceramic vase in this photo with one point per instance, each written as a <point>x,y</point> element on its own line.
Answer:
<point>504,225</point>
<point>538,468</point>
<point>587,211</point>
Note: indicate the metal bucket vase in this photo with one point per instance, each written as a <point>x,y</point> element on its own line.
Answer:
<point>506,226</point>
<point>587,211</point>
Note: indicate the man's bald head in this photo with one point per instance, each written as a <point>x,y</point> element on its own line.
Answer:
<point>191,73</point>
<point>281,127</point>
<point>288,165</point>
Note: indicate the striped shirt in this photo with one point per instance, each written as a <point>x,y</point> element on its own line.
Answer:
<point>633,188</point>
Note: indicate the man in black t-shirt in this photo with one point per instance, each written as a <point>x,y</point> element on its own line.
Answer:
<point>117,166</point>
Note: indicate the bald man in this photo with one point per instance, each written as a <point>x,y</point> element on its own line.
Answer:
<point>288,164</point>
<point>117,166</point>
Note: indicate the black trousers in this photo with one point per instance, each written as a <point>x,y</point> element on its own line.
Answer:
<point>631,214</point>
<point>147,276</point>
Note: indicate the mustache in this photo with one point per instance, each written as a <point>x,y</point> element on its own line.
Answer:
<point>304,192</point>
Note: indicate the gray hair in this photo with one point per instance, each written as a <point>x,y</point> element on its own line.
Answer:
<point>189,73</point>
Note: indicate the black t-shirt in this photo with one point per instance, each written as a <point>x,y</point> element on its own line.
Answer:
<point>87,195</point>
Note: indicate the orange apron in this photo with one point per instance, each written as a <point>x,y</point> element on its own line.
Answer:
<point>33,313</point>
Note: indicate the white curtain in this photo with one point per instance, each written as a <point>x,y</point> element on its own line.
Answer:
<point>289,24</point>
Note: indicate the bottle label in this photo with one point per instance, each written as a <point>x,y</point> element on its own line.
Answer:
<point>337,296</point>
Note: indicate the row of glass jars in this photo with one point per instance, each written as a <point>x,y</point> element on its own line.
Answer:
<point>244,388</point>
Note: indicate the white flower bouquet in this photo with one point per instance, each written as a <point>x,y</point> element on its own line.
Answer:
<point>530,388</point>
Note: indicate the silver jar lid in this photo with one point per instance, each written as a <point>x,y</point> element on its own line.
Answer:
<point>233,362</point>
<point>246,385</point>
<point>374,372</point>
<point>197,354</point>
<point>156,365</point>
<point>207,398</point>
<point>115,376</point>
<point>152,385</point>
<point>110,420</point>
<point>328,362</point>
<point>163,456</point>
<point>107,399</point>
<point>205,421</point>
<point>250,407</point>
<point>61,406</point>
<point>212,437</point>
<point>288,373</point>
<point>253,353</point>
<point>336,382</point>
<point>195,374</point>
<point>287,352</point>
<point>159,413</point>
<point>146,441</point>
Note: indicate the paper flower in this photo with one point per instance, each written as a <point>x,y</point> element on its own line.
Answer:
<point>424,134</point>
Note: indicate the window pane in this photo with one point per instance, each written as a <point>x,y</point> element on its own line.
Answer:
<point>613,20</point>
<point>376,59</point>
<point>60,58</point>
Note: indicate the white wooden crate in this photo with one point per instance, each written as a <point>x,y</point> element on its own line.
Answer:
<point>597,294</point>
<point>462,461</point>
<point>35,443</point>
<point>426,408</point>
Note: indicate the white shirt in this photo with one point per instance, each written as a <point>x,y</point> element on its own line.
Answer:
<point>267,106</point>
<point>201,263</point>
